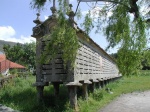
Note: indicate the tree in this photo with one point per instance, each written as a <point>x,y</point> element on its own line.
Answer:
<point>29,54</point>
<point>119,28</point>
<point>21,53</point>
<point>146,59</point>
<point>14,53</point>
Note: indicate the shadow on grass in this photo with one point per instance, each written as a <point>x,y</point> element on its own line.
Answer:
<point>26,100</point>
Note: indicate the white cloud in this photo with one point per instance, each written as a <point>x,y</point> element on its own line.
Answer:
<point>45,17</point>
<point>7,33</point>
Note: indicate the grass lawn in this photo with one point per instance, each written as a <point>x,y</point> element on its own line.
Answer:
<point>20,95</point>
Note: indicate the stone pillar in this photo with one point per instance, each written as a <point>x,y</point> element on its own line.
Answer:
<point>99,85</point>
<point>56,88</point>
<point>108,80</point>
<point>102,83</point>
<point>73,97</point>
<point>40,93</point>
<point>85,91</point>
<point>72,89</point>
<point>92,87</point>
<point>105,82</point>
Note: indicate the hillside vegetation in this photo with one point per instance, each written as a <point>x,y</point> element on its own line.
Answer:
<point>2,42</point>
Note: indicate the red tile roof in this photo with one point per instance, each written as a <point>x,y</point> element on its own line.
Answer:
<point>15,65</point>
<point>2,57</point>
<point>6,64</point>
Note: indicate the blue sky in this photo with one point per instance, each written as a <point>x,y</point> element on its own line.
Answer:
<point>16,21</point>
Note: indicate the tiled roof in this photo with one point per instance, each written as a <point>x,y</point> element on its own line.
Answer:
<point>15,65</point>
<point>6,64</point>
<point>2,57</point>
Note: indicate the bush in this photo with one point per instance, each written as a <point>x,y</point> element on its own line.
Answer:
<point>1,75</point>
<point>13,71</point>
<point>98,95</point>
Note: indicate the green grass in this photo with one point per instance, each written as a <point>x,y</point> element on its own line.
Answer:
<point>122,86</point>
<point>20,95</point>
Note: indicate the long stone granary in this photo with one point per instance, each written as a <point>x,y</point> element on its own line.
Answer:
<point>92,65</point>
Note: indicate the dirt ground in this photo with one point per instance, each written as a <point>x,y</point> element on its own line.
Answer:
<point>132,102</point>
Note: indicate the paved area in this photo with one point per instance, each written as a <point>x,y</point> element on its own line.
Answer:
<point>6,109</point>
<point>133,102</point>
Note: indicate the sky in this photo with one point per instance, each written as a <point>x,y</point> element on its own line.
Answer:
<point>16,21</point>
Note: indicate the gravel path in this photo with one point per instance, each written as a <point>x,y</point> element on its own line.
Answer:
<point>6,109</point>
<point>133,102</point>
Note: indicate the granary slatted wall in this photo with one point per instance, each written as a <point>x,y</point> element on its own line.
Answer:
<point>92,62</point>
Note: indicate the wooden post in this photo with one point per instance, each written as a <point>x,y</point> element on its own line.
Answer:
<point>56,88</point>
<point>73,97</point>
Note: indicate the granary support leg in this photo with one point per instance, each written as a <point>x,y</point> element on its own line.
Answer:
<point>113,79</point>
<point>73,97</point>
<point>85,91</point>
<point>56,88</point>
<point>105,82</point>
<point>99,85</point>
<point>108,80</point>
<point>40,93</point>
<point>102,83</point>
<point>92,87</point>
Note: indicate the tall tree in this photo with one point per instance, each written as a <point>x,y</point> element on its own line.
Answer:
<point>21,53</point>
